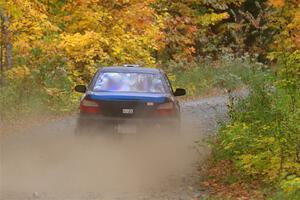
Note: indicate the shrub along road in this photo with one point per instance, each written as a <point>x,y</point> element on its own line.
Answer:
<point>47,161</point>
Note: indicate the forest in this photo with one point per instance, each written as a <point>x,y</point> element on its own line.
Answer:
<point>206,46</point>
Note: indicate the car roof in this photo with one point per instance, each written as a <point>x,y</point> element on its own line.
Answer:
<point>131,70</point>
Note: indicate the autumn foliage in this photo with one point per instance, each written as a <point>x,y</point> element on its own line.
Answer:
<point>86,34</point>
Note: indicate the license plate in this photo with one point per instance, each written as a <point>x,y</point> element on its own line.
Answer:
<point>127,111</point>
<point>127,128</point>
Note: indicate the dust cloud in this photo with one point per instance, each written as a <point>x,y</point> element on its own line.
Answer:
<point>51,162</point>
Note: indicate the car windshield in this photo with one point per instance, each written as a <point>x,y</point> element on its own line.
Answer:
<point>129,82</point>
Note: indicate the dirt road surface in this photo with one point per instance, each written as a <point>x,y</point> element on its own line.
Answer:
<point>47,162</point>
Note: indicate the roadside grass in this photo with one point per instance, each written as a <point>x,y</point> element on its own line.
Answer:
<point>212,77</point>
<point>24,100</point>
<point>25,107</point>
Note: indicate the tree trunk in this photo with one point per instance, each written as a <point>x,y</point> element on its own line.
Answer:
<point>1,65</point>
<point>6,39</point>
<point>1,53</point>
<point>7,42</point>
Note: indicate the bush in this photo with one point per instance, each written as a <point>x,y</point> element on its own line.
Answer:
<point>263,136</point>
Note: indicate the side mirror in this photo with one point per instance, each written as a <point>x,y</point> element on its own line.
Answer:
<point>80,88</point>
<point>179,92</point>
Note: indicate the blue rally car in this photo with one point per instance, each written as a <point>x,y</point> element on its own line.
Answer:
<point>128,99</point>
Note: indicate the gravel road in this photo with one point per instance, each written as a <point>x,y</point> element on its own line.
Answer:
<point>47,162</point>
